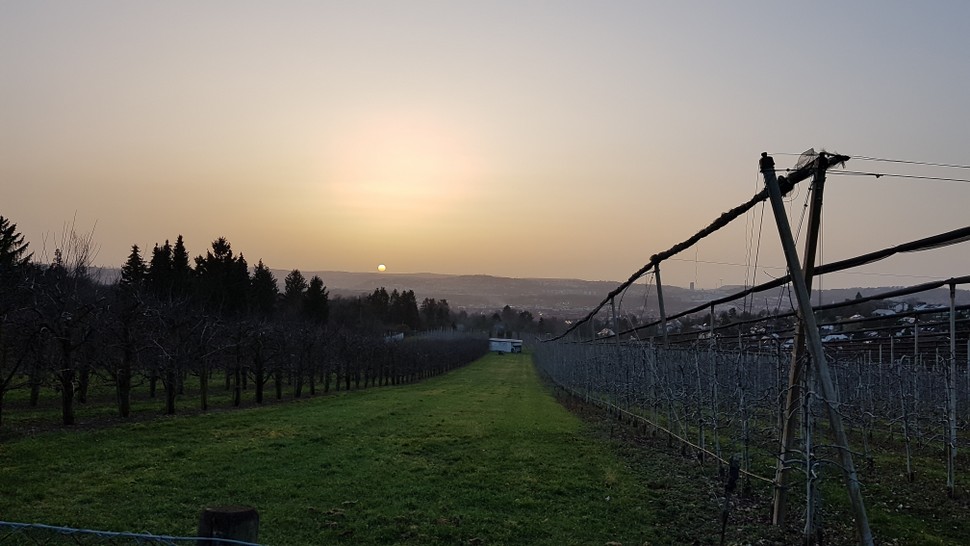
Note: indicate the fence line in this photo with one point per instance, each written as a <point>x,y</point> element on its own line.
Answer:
<point>32,531</point>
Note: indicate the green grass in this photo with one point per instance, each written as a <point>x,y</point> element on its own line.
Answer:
<point>481,453</point>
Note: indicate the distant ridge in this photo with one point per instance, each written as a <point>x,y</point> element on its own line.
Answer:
<point>564,298</point>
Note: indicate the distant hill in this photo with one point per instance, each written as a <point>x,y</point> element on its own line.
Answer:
<point>565,298</point>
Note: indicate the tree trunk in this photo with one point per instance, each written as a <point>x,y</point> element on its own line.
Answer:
<point>204,387</point>
<point>67,395</point>
<point>237,383</point>
<point>124,385</point>
<point>171,386</point>
<point>259,378</point>
<point>278,380</point>
<point>153,383</point>
<point>83,381</point>
<point>298,383</point>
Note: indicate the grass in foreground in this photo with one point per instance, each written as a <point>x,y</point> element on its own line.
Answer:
<point>482,455</point>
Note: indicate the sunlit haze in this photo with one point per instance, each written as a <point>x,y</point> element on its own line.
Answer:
<point>522,139</point>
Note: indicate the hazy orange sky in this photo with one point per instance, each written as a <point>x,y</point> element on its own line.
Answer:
<point>524,139</point>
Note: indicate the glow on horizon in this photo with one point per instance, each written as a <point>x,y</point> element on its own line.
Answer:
<point>398,171</point>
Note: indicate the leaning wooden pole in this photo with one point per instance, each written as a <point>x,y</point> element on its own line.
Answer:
<point>951,398</point>
<point>791,413</point>
<point>814,341</point>
<point>660,304</point>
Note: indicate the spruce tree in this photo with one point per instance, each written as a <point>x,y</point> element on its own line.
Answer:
<point>294,286</point>
<point>160,270</point>
<point>135,271</point>
<point>223,278</point>
<point>181,269</point>
<point>263,290</point>
<point>316,305</point>
<point>13,253</point>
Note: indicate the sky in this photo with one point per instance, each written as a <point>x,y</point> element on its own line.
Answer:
<point>513,138</point>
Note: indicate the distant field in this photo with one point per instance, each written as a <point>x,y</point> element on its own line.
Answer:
<point>481,455</point>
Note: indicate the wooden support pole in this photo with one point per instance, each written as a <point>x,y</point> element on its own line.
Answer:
<point>660,303</point>
<point>616,335</point>
<point>951,394</point>
<point>791,409</point>
<point>829,393</point>
<point>710,330</point>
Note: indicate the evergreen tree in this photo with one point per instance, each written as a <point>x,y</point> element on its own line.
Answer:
<point>160,270</point>
<point>294,286</point>
<point>316,304</point>
<point>403,309</point>
<point>13,253</point>
<point>409,305</point>
<point>135,271</point>
<point>263,290</point>
<point>224,278</point>
<point>435,313</point>
<point>181,269</point>
<point>379,303</point>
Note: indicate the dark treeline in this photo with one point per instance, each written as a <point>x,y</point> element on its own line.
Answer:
<point>209,323</point>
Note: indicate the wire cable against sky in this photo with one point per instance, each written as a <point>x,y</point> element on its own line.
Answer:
<point>906,162</point>
<point>895,175</point>
<point>901,161</point>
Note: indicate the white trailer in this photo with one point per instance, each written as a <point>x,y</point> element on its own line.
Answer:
<point>503,345</point>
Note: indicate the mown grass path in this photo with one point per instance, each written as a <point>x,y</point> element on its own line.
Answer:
<point>483,455</point>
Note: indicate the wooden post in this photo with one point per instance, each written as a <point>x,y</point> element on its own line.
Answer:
<point>791,409</point>
<point>951,393</point>
<point>710,330</point>
<point>660,302</point>
<point>230,522</point>
<point>619,358</point>
<point>830,394</point>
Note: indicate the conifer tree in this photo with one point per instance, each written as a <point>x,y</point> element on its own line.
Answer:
<point>135,271</point>
<point>294,287</point>
<point>224,278</point>
<point>160,270</point>
<point>316,303</point>
<point>181,269</point>
<point>263,290</point>
<point>13,253</point>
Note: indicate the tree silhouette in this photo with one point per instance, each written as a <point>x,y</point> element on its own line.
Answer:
<point>181,270</point>
<point>263,290</point>
<point>160,270</point>
<point>14,263</point>
<point>13,252</point>
<point>316,303</point>
<point>294,286</point>
<point>135,271</point>
<point>223,277</point>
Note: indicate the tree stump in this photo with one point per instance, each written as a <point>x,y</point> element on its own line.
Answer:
<point>231,522</point>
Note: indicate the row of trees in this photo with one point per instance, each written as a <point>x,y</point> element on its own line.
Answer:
<point>173,328</point>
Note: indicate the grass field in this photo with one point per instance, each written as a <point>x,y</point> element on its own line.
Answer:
<point>481,455</point>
